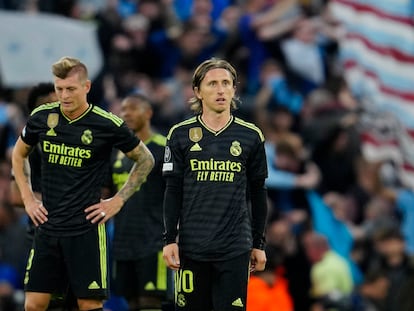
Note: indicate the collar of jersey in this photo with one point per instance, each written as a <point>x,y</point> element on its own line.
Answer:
<point>213,131</point>
<point>80,117</point>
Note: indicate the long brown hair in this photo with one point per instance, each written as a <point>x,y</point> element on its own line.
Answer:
<point>200,73</point>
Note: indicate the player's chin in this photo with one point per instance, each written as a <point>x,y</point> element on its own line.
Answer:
<point>221,108</point>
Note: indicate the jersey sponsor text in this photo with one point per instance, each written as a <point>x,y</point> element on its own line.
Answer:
<point>65,155</point>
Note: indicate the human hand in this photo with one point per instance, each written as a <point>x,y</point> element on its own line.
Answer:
<point>171,256</point>
<point>311,178</point>
<point>257,260</point>
<point>37,212</point>
<point>104,210</point>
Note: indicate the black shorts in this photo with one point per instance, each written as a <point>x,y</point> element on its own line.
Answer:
<point>81,259</point>
<point>147,276</point>
<point>214,285</point>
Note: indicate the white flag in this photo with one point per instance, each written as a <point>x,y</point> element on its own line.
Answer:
<point>31,43</point>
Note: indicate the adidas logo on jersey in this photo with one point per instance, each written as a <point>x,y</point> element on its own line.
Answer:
<point>196,147</point>
<point>93,285</point>
<point>238,303</point>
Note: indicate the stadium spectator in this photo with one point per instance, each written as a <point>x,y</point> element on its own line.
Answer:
<point>331,277</point>
<point>268,289</point>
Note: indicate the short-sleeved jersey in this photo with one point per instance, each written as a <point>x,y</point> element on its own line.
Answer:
<point>75,157</point>
<point>139,224</point>
<point>214,220</point>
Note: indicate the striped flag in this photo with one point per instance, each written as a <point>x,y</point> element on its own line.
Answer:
<point>377,52</point>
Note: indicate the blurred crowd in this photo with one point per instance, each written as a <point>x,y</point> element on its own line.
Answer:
<point>339,235</point>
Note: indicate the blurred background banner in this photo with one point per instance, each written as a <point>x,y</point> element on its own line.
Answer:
<point>29,44</point>
<point>378,57</point>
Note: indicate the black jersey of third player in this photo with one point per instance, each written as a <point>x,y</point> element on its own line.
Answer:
<point>75,157</point>
<point>216,167</point>
<point>139,224</point>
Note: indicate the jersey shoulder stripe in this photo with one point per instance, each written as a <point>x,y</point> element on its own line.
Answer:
<point>45,106</point>
<point>250,126</point>
<point>185,122</point>
<point>108,115</point>
<point>157,139</point>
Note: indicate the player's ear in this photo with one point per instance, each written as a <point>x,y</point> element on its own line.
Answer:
<point>88,84</point>
<point>197,93</point>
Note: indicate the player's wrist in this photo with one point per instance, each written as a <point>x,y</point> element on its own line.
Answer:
<point>259,243</point>
<point>169,240</point>
<point>120,200</point>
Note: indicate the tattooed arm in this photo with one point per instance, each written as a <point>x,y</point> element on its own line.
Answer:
<point>144,162</point>
<point>21,171</point>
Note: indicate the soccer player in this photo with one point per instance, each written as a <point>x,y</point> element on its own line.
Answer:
<point>40,94</point>
<point>215,198</point>
<point>139,272</point>
<point>76,140</point>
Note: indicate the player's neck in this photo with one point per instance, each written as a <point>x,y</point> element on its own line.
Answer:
<point>216,121</point>
<point>74,114</point>
<point>144,134</point>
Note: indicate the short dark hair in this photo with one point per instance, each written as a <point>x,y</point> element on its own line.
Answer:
<point>388,232</point>
<point>373,274</point>
<point>140,97</point>
<point>40,90</point>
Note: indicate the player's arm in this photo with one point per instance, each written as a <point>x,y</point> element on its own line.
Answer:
<point>171,214</point>
<point>21,171</point>
<point>144,162</point>
<point>258,196</point>
<point>15,197</point>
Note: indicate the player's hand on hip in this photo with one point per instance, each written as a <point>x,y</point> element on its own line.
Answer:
<point>171,256</point>
<point>104,210</point>
<point>37,212</point>
<point>257,260</point>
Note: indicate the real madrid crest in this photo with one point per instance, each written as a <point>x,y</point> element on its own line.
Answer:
<point>235,148</point>
<point>52,122</point>
<point>86,137</point>
<point>195,134</point>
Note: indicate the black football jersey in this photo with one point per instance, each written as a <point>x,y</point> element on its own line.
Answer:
<point>75,156</point>
<point>139,224</point>
<point>216,167</point>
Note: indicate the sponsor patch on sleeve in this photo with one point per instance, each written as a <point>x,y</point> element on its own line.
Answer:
<point>167,167</point>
